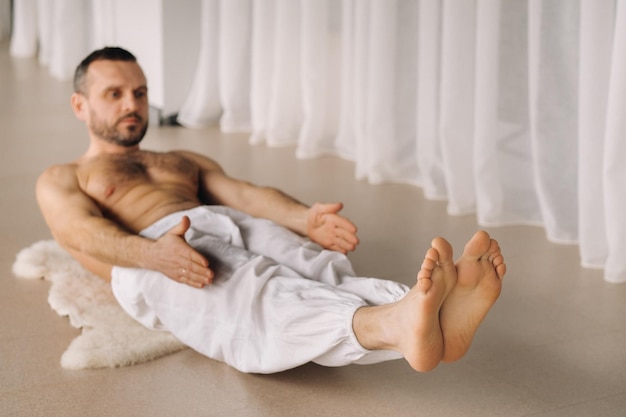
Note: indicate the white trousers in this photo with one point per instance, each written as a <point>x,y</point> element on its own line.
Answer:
<point>277,301</point>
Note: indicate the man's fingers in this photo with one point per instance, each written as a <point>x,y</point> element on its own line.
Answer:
<point>343,223</point>
<point>197,258</point>
<point>195,276</point>
<point>200,270</point>
<point>341,241</point>
<point>344,246</point>
<point>347,235</point>
<point>191,268</point>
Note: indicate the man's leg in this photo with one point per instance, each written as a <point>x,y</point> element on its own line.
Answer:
<point>257,315</point>
<point>266,318</point>
<point>309,260</point>
<point>411,326</point>
<point>481,271</point>
<point>438,318</point>
<point>263,318</point>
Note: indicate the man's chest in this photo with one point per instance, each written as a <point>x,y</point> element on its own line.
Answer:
<point>109,175</point>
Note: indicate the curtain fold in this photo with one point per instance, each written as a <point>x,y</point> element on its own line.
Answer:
<point>489,189</point>
<point>614,155</point>
<point>234,64</point>
<point>508,110</point>
<point>456,124</point>
<point>597,28</point>
<point>428,148</point>
<point>56,31</point>
<point>24,38</point>
<point>202,106</point>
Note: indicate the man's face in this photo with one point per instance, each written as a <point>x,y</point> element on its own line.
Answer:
<point>116,102</point>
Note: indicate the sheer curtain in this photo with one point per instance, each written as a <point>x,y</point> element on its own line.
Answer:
<point>512,110</point>
<point>509,110</point>
<point>58,32</point>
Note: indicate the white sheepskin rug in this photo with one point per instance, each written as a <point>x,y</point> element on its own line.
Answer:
<point>109,337</point>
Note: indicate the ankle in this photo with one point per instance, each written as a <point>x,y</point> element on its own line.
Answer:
<point>368,328</point>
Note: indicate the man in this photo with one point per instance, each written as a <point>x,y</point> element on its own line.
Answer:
<point>241,273</point>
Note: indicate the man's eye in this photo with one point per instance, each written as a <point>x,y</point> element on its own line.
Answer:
<point>114,94</point>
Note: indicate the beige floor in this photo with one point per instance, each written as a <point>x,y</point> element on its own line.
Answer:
<point>554,345</point>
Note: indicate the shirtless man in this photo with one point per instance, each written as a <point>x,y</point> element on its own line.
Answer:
<point>101,209</point>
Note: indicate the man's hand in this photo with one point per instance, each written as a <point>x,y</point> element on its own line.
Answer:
<point>172,255</point>
<point>329,229</point>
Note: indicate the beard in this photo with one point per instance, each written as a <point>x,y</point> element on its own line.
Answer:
<point>127,137</point>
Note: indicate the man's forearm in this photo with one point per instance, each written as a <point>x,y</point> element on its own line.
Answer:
<point>170,254</point>
<point>273,204</point>
<point>105,242</point>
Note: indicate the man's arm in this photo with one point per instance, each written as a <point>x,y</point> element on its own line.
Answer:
<point>322,223</point>
<point>77,223</point>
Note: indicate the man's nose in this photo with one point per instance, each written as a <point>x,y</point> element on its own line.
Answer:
<point>131,102</point>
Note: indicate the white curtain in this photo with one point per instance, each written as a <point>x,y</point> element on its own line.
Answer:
<point>59,32</point>
<point>510,110</point>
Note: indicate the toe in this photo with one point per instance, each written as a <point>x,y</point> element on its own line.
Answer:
<point>444,250</point>
<point>479,245</point>
<point>501,270</point>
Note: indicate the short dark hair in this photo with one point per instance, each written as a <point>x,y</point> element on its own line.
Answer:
<point>108,53</point>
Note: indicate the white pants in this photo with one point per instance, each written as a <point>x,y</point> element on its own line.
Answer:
<point>277,301</point>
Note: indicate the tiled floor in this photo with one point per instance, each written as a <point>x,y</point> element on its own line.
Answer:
<point>554,345</point>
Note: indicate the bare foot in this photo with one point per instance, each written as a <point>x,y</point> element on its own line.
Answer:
<point>480,271</point>
<point>411,325</point>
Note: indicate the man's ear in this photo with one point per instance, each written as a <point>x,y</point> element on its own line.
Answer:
<point>79,105</point>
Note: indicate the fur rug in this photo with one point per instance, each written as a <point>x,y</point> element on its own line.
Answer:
<point>109,337</point>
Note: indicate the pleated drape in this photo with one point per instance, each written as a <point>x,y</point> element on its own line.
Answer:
<point>511,110</point>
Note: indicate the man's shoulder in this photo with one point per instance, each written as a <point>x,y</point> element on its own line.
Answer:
<point>61,169</point>
<point>58,172</point>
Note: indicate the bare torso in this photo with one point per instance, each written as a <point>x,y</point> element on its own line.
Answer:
<point>133,189</point>
<point>136,189</point>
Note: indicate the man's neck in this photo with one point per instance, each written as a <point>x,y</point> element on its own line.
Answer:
<point>99,147</point>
